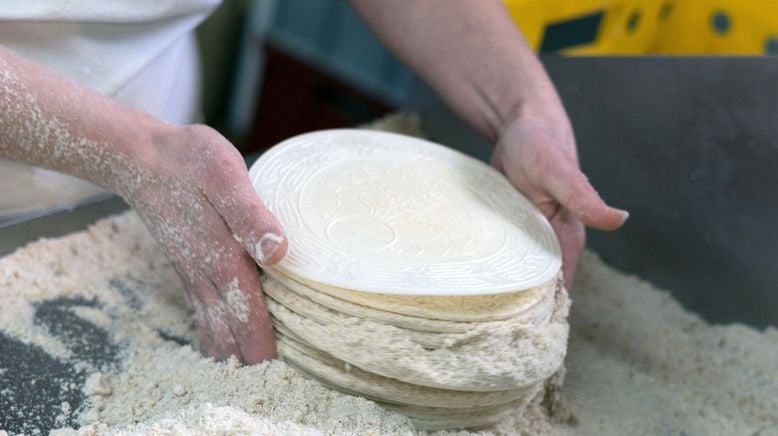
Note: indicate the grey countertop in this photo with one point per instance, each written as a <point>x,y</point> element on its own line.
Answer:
<point>689,145</point>
<point>22,230</point>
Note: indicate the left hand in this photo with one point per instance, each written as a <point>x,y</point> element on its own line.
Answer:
<point>538,155</point>
<point>191,188</point>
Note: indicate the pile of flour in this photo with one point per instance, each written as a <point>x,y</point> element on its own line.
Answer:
<point>637,363</point>
<point>126,359</point>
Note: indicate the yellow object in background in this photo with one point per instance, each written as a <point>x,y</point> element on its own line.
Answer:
<point>632,27</point>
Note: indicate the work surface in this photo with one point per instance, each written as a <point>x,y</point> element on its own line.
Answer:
<point>96,331</point>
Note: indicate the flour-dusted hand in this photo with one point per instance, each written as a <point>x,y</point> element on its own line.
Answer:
<point>537,153</point>
<point>197,201</point>
<point>188,184</point>
<point>475,57</point>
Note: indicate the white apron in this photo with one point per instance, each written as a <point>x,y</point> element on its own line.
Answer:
<point>141,53</point>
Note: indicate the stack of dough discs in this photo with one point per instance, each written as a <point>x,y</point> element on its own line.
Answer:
<point>416,276</point>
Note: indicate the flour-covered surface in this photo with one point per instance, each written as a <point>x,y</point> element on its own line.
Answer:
<point>638,363</point>
<point>96,335</point>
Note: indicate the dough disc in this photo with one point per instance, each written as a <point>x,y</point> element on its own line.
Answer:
<point>386,213</point>
<point>416,277</point>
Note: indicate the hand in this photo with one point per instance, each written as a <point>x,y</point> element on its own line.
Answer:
<point>193,192</point>
<point>188,184</point>
<point>538,155</point>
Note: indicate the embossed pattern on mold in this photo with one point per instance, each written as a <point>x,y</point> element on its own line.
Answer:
<point>387,213</point>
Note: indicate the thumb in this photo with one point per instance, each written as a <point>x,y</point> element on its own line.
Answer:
<point>570,187</point>
<point>252,224</point>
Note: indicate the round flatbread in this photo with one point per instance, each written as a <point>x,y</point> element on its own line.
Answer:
<point>439,314</point>
<point>386,213</point>
<point>520,353</point>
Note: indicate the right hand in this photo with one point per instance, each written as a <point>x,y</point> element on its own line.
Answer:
<point>537,153</point>
<point>192,189</point>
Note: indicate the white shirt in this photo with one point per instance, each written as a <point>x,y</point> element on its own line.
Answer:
<point>142,53</point>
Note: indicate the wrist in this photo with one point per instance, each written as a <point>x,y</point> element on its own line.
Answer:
<point>539,104</point>
<point>519,89</point>
<point>540,108</point>
<point>138,150</point>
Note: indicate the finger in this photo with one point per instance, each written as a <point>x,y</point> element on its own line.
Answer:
<point>186,252</point>
<point>234,276</point>
<point>570,187</point>
<point>240,290</point>
<point>251,223</point>
<point>216,337</point>
<point>572,237</point>
<point>194,246</point>
<point>213,339</point>
<point>205,336</point>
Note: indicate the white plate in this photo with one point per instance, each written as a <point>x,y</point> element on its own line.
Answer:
<point>387,213</point>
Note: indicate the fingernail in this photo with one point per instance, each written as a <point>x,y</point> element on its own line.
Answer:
<point>624,215</point>
<point>267,246</point>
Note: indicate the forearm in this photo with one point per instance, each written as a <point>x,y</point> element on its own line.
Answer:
<point>50,121</point>
<point>188,184</point>
<point>469,51</point>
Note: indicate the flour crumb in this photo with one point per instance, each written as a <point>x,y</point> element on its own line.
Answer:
<point>202,419</point>
<point>98,384</point>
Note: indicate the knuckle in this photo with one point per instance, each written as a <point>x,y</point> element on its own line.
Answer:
<point>224,165</point>
<point>575,203</point>
<point>217,153</point>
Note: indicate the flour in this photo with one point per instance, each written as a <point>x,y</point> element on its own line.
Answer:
<point>638,363</point>
<point>237,301</point>
<point>209,419</point>
<point>34,129</point>
<point>141,300</point>
<point>163,377</point>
